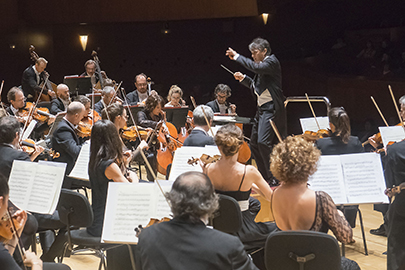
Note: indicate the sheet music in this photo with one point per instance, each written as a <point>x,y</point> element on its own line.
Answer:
<point>183,154</point>
<point>310,123</point>
<point>129,205</point>
<point>364,178</point>
<point>80,170</point>
<point>162,206</point>
<point>35,187</point>
<point>225,118</point>
<point>392,134</point>
<point>329,178</point>
<point>29,129</point>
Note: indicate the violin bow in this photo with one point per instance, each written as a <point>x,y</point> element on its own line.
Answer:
<point>396,107</point>
<point>19,243</point>
<point>1,90</point>
<point>115,94</point>
<point>312,110</point>
<point>130,113</point>
<point>379,111</point>
<point>273,125</point>
<point>205,116</point>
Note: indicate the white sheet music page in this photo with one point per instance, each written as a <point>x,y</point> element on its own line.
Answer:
<point>162,206</point>
<point>128,205</point>
<point>329,178</point>
<point>392,134</point>
<point>35,187</point>
<point>80,170</point>
<point>310,123</point>
<point>364,178</point>
<point>183,154</point>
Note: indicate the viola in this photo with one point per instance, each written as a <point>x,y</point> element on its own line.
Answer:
<point>395,190</point>
<point>83,129</point>
<point>152,221</point>
<point>131,133</point>
<point>8,226</point>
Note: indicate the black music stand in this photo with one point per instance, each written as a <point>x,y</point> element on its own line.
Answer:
<point>176,115</point>
<point>134,110</point>
<point>78,85</point>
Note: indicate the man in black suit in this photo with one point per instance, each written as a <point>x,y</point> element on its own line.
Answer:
<point>141,93</point>
<point>65,141</point>
<point>90,71</point>
<point>32,77</point>
<point>106,95</point>
<point>220,104</point>
<point>266,85</point>
<point>185,242</point>
<point>60,103</point>
<point>199,135</point>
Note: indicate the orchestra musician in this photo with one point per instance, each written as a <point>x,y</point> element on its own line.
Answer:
<point>141,93</point>
<point>32,78</point>
<point>107,163</point>
<point>295,206</point>
<point>193,201</point>
<point>175,97</point>
<point>220,104</point>
<point>116,114</point>
<point>106,96</point>
<point>237,180</point>
<point>65,141</point>
<point>90,71</point>
<point>149,118</point>
<point>60,103</point>
<point>270,101</point>
<point>199,135</point>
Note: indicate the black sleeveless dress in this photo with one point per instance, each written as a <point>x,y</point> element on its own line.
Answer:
<point>252,234</point>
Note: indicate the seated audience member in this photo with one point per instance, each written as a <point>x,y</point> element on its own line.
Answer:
<point>8,247</point>
<point>107,163</point>
<point>175,97</point>
<point>220,104</point>
<point>244,178</point>
<point>192,201</point>
<point>62,101</point>
<point>65,141</point>
<point>199,135</point>
<point>295,206</point>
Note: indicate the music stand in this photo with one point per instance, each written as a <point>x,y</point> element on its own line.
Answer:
<point>134,110</point>
<point>176,115</point>
<point>78,85</point>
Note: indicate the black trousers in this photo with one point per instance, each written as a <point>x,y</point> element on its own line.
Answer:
<point>261,142</point>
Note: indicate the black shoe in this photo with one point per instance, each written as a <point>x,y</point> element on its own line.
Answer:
<point>380,231</point>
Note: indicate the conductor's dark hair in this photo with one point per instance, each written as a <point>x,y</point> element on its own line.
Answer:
<point>9,126</point>
<point>112,111</point>
<point>192,196</point>
<point>339,118</point>
<point>4,189</point>
<point>260,44</point>
<point>105,144</point>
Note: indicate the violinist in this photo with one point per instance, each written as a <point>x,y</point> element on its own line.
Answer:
<point>106,96</point>
<point>175,97</point>
<point>107,163</point>
<point>60,103</point>
<point>141,93</point>
<point>149,118</point>
<point>341,142</point>
<point>116,114</point>
<point>199,135</point>
<point>90,71</point>
<point>193,201</point>
<point>220,105</point>
<point>33,77</point>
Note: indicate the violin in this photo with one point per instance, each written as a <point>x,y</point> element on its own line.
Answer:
<point>28,146</point>
<point>311,136</point>
<point>39,114</point>
<point>83,129</point>
<point>395,190</point>
<point>131,133</point>
<point>205,159</point>
<point>7,229</point>
<point>152,221</point>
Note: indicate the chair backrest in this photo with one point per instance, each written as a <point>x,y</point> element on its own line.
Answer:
<point>315,250</point>
<point>228,218</point>
<point>74,209</point>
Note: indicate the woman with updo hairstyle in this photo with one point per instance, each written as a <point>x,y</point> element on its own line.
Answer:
<point>229,177</point>
<point>175,97</point>
<point>295,206</point>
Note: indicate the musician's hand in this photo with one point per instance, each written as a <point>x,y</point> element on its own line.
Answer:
<point>239,76</point>
<point>127,157</point>
<point>38,150</point>
<point>141,104</point>
<point>51,94</point>
<point>231,53</point>
<point>373,141</point>
<point>143,145</point>
<point>21,217</point>
<point>233,108</point>
<point>51,119</point>
<point>32,260</point>
<point>132,177</point>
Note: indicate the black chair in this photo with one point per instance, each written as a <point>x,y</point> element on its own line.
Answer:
<point>228,218</point>
<point>75,211</point>
<point>299,250</point>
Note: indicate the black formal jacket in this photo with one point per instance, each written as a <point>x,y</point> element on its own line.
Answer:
<point>198,138</point>
<point>267,76</point>
<point>99,106</point>
<point>334,146</point>
<point>7,155</point>
<point>178,244</point>
<point>214,106</point>
<point>133,98</point>
<point>29,81</point>
<point>394,161</point>
<point>65,141</point>
<point>57,106</point>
